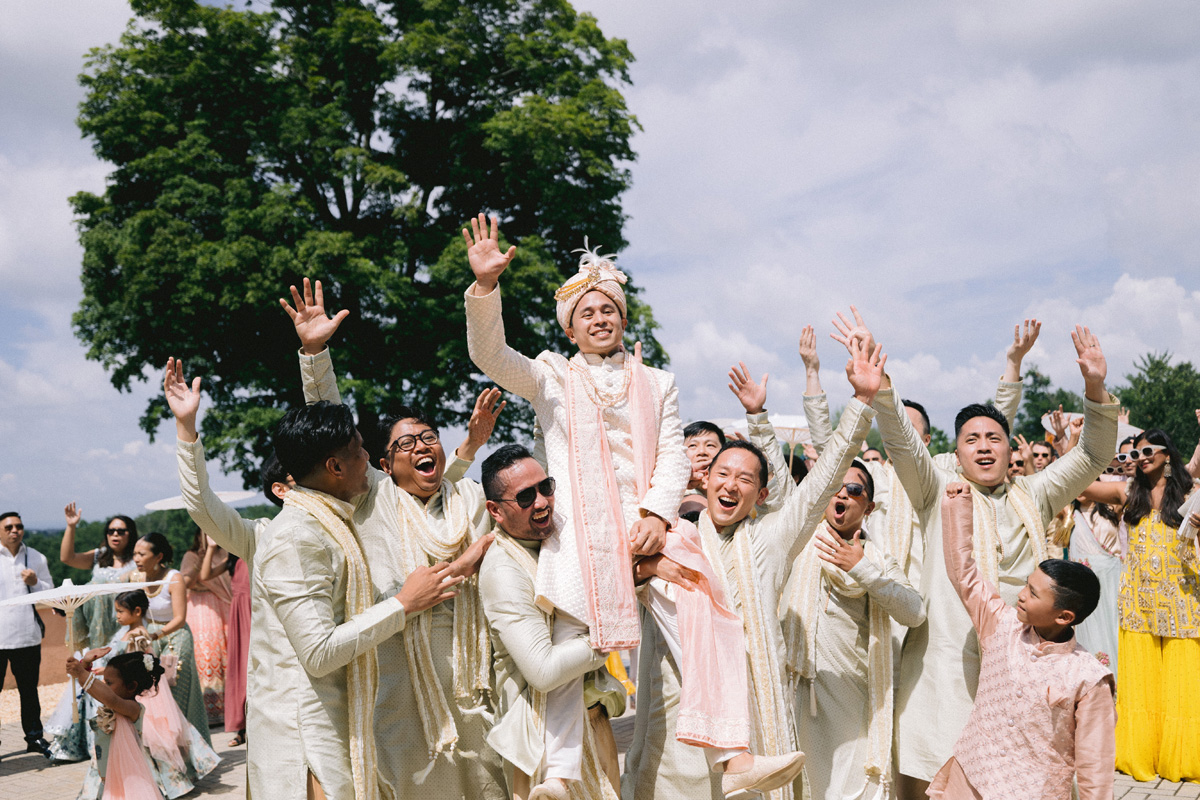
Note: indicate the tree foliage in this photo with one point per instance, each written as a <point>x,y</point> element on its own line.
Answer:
<point>1040,396</point>
<point>347,141</point>
<point>1163,395</point>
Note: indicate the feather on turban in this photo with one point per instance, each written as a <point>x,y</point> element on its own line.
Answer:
<point>596,272</point>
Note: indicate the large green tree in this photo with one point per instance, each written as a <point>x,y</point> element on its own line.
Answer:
<point>348,141</point>
<point>1164,395</point>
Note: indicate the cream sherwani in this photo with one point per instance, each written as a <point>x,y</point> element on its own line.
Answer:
<point>658,766</point>
<point>525,658</point>
<point>542,381</point>
<point>940,663</point>
<point>301,642</point>
<point>474,772</point>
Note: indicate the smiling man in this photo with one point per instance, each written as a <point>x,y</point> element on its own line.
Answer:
<point>433,709</point>
<point>939,673</point>
<point>541,660</point>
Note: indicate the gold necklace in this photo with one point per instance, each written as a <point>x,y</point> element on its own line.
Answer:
<point>140,577</point>
<point>604,398</point>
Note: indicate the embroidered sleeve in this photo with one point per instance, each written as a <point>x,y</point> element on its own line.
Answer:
<point>907,454</point>
<point>489,349</point>
<point>1058,484</point>
<point>1095,742</point>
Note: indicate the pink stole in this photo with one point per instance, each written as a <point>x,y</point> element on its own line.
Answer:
<point>128,775</point>
<point>713,701</point>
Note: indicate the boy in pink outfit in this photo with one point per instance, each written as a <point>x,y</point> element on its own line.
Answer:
<point>1044,711</point>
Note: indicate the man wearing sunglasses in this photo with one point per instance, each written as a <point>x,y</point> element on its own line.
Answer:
<point>22,570</point>
<point>939,673</point>
<point>416,517</point>
<point>541,660</point>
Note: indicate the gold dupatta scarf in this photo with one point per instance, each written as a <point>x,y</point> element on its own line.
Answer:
<point>594,784</point>
<point>472,654</point>
<point>988,549</point>
<point>770,709</point>
<point>898,533</point>
<point>800,633</point>
<point>362,674</point>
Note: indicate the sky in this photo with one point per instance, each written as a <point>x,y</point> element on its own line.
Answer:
<point>950,168</point>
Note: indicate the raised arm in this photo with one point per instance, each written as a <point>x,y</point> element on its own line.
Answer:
<point>788,530</point>
<point>816,404</point>
<point>479,429</point>
<point>66,550</point>
<point>1193,466</point>
<point>507,594</point>
<point>753,397</point>
<point>1063,481</point>
<point>1008,393</point>
<point>1095,742</point>
<point>485,323</point>
<point>983,602</point>
<point>211,514</point>
<point>908,455</point>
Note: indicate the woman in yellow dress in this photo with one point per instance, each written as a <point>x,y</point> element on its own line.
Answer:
<point>1158,604</point>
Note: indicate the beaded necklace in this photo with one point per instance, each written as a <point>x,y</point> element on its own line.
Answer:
<point>604,398</point>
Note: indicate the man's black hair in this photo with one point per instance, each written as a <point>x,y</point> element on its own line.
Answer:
<point>920,409</point>
<point>11,514</point>
<point>1076,587</point>
<point>702,426</point>
<point>271,473</point>
<point>501,459</point>
<point>979,410</point>
<point>870,486</point>
<point>402,413</point>
<point>1042,443</point>
<point>739,444</point>
<point>307,435</point>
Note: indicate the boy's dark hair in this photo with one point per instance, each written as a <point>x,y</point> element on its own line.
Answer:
<point>870,485</point>
<point>979,410</point>
<point>132,668</point>
<point>920,409</point>
<point>702,426</point>
<point>501,459</point>
<point>1076,587</point>
<point>161,547</point>
<point>402,413</point>
<point>272,472</point>
<point>135,599</point>
<point>739,444</point>
<point>307,435</point>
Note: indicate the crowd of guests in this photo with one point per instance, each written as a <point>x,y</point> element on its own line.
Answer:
<point>850,623</point>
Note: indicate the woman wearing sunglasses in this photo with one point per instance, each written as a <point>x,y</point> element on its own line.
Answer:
<point>1158,603</point>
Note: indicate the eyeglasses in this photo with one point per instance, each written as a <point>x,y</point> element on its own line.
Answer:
<point>1146,451</point>
<point>20,526</point>
<point>854,489</point>
<point>525,497</point>
<point>1111,470</point>
<point>111,531</point>
<point>408,441</point>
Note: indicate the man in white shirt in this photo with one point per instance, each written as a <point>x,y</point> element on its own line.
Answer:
<point>22,570</point>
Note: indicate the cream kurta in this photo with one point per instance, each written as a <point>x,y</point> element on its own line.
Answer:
<point>657,765</point>
<point>542,381</point>
<point>940,664</point>
<point>475,772</point>
<point>300,644</point>
<point>524,656</point>
<point>836,739</point>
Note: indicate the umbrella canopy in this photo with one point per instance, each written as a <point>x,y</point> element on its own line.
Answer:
<point>70,596</point>
<point>230,497</point>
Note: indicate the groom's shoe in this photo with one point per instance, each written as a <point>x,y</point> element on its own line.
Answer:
<point>38,745</point>
<point>765,774</point>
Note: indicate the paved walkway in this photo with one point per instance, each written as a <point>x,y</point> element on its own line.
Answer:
<point>31,776</point>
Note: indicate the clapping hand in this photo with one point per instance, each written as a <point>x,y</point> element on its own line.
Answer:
<point>313,325</point>
<point>484,255</point>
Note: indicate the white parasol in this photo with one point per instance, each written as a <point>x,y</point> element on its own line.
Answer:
<point>791,429</point>
<point>69,597</point>
<point>229,498</point>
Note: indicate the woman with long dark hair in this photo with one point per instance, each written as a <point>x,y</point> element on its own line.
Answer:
<point>95,622</point>
<point>166,625</point>
<point>1158,603</point>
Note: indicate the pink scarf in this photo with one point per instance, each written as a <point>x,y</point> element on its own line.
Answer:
<point>713,704</point>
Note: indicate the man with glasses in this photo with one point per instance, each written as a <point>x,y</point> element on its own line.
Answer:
<point>22,570</point>
<point>433,709</point>
<point>540,660</point>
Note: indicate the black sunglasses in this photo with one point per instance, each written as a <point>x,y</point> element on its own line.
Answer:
<point>854,489</point>
<point>525,497</point>
<point>111,531</point>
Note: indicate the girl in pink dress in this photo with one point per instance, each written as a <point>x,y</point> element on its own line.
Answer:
<point>124,764</point>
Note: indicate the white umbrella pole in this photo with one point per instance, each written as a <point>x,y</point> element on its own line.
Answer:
<point>70,653</point>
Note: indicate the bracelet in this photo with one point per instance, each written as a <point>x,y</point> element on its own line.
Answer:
<point>88,683</point>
